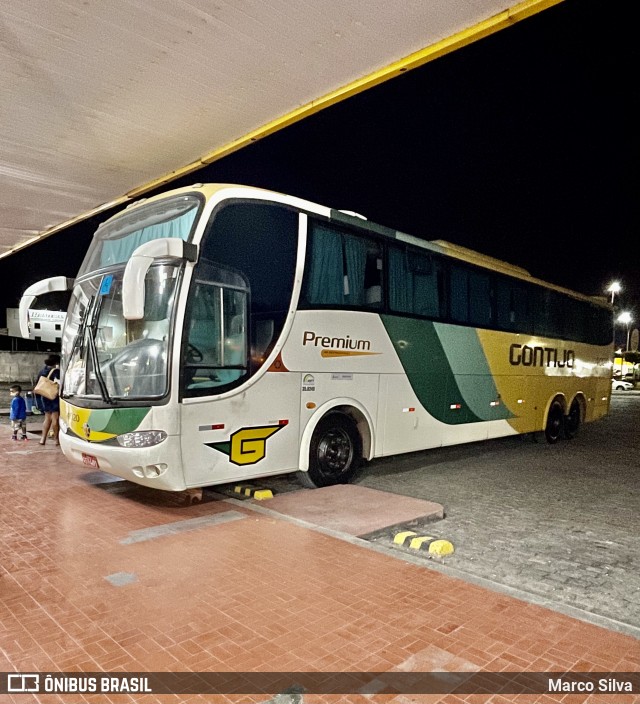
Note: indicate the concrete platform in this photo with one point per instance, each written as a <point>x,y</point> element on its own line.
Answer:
<point>355,510</point>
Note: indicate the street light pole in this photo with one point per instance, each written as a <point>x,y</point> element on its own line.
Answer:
<point>625,318</point>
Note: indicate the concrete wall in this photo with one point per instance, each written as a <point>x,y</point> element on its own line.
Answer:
<point>20,366</point>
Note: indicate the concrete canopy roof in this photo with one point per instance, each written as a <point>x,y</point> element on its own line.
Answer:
<point>103,101</point>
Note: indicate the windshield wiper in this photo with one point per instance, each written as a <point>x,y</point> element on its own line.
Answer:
<point>94,354</point>
<point>96,368</point>
<point>77,342</point>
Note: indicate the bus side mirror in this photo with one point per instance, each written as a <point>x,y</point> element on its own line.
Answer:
<point>55,283</point>
<point>138,265</point>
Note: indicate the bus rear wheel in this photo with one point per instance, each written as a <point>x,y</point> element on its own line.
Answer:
<point>573,419</point>
<point>555,423</point>
<point>335,452</point>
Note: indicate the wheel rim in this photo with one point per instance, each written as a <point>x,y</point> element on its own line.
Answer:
<point>335,452</point>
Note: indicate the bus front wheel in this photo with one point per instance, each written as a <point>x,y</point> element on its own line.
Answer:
<point>555,423</point>
<point>335,452</point>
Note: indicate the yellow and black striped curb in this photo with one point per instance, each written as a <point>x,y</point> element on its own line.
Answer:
<point>253,492</point>
<point>435,546</point>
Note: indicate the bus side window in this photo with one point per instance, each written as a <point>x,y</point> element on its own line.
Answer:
<point>324,277</point>
<point>215,349</point>
<point>342,269</point>
<point>203,342</point>
<point>414,283</point>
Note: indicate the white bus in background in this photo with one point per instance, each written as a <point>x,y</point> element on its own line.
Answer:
<point>220,333</point>
<point>42,312</point>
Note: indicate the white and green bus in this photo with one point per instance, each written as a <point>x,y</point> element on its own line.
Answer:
<point>219,333</point>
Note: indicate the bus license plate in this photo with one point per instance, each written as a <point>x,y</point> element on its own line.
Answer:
<point>90,460</point>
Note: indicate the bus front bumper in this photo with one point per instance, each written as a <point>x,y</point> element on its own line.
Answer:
<point>158,467</point>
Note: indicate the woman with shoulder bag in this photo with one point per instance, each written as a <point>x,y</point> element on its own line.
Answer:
<point>51,407</point>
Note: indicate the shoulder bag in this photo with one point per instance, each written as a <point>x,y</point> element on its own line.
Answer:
<point>46,387</point>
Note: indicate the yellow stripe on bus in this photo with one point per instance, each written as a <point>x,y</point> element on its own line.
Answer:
<point>345,353</point>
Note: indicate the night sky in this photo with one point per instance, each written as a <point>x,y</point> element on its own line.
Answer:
<point>523,146</point>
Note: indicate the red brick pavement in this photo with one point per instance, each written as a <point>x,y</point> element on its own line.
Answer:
<point>257,593</point>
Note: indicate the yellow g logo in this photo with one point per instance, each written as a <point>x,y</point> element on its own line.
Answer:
<point>247,445</point>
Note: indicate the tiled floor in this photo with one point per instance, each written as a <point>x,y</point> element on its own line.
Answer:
<point>94,578</point>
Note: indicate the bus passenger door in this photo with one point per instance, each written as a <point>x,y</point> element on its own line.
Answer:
<point>234,427</point>
<point>249,434</point>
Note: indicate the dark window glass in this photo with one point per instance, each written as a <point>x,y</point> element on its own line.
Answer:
<point>575,320</point>
<point>541,299</point>
<point>511,304</point>
<point>505,314</point>
<point>470,296</point>
<point>599,324</point>
<point>480,313</point>
<point>557,313</point>
<point>520,308</point>
<point>560,316</point>
<point>247,263</point>
<point>459,294</point>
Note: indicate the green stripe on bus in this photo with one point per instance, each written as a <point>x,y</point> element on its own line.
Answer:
<point>446,366</point>
<point>428,369</point>
<point>471,371</point>
<point>117,420</point>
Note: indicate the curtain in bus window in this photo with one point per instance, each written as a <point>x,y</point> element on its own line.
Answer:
<point>400,283</point>
<point>325,282</point>
<point>413,283</point>
<point>119,250</point>
<point>355,250</point>
<point>425,285</point>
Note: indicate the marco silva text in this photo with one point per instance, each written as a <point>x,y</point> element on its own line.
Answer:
<point>604,685</point>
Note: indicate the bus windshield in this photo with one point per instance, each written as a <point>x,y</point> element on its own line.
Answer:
<point>109,357</point>
<point>117,239</point>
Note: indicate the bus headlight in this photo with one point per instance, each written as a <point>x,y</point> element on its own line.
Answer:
<point>141,438</point>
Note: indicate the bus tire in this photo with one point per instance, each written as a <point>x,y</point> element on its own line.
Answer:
<point>335,452</point>
<point>573,419</point>
<point>555,422</point>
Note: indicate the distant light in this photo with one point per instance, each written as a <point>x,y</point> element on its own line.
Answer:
<point>614,288</point>
<point>625,318</point>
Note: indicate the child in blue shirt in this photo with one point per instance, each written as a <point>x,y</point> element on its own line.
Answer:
<point>18,413</point>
